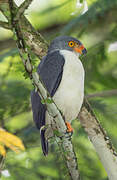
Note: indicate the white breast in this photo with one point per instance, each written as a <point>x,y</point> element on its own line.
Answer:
<point>70,93</point>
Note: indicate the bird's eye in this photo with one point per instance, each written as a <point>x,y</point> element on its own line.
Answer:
<point>71,43</point>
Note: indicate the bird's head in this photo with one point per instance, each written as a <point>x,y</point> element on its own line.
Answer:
<point>67,43</point>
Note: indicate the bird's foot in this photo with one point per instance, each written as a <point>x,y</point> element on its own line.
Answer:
<point>69,128</point>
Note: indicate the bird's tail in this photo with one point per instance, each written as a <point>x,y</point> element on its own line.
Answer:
<point>44,143</point>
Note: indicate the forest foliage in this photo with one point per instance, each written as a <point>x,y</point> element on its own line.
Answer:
<point>97,29</point>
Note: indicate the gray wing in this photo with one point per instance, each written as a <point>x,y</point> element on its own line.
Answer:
<point>50,70</point>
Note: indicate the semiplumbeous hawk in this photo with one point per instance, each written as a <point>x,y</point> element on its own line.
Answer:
<point>62,73</point>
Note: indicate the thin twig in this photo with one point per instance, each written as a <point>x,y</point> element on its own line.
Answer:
<point>22,8</point>
<point>103,94</point>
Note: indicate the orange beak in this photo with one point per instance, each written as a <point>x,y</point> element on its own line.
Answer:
<point>80,49</point>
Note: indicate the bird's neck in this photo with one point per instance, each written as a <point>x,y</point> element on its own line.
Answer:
<point>70,55</point>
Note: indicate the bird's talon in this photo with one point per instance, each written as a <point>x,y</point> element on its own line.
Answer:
<point>69,128</point>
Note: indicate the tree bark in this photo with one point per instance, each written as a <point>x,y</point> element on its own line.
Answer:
<point>99,139</point>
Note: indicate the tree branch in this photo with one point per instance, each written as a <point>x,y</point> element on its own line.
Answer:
<point>5,25</point>
<point>22,8</point>
<point>4,8</point>
<point>66,143</point>
<point>33,39</point>
<point>103,94</point>
<point>99,139</point>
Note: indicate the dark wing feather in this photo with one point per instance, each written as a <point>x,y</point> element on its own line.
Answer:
<point>50,70</point>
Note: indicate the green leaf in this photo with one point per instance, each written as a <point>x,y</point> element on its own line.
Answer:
<point>43,101</point>
<point>32,56</point>
<point>49,100</point>
<point>26,75</point>
<point>56,132</point>
<point>34,70</point>
<point>25,56</point>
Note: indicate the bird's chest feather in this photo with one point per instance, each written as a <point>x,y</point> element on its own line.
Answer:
<point>70,93</point>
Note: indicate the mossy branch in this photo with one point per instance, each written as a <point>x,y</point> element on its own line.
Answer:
<point>22,8</point>
<point>66,143</point>
<point>33,39</point>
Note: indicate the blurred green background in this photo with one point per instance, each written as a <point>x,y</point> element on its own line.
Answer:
<point>94,22</point>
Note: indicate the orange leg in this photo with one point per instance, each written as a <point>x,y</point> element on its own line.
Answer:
<point>69,128</point>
